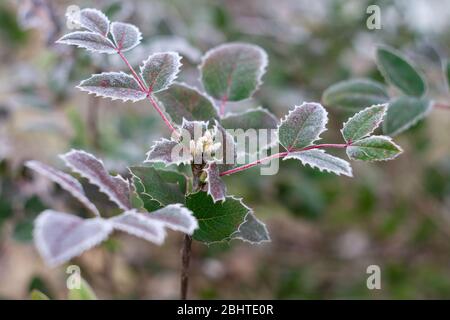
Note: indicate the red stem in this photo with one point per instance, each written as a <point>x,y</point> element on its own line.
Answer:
<point>149,93</point>
<point>440,105</point>
<point>223,102</point>
<point>282,155</point>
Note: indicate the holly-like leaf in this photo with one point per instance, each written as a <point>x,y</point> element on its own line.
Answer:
<point>216,187</point>
<point>165,151</point>
<point>374,148</point>
<point>175,217</point>
<point>233,71</point>
<point>67,182</point>
<point>84,292</point>
<point>302,126</point>
<point>91,19</point>
<point>181,101</point>
<point>114,85</point>
<point>151,186</point>
<point>256,119</point>
<point>323,161</point>
<point>160,70</point>
<point>91,168</point>
<point>355,94</point>
<point>252,230</point>
<point>397,70</point>
<point>217,220</point>
<point>88,40</point>
<point>60,236</point>
<point>126,36</point>
<point>139,225</point>
<point>403,113</point>
<point>363,123</point>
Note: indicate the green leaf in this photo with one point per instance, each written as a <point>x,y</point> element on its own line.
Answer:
<point>323,161</point>
<point>374,148</point>
<point>38,295</point>
<point>363,123</point>
<point>302,126</point>
<point>85,292</point>
<point>398,71</point>
<point>154,190</point>
<point>217,220</point>
<point>355,94</point>
<point>252,230</point>
<point>403,113</point>
<point>160,70</point>
<point>182,101</point>
<point>233,71</point>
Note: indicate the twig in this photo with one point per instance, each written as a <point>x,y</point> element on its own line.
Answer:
<point>282,155</point>
<point>185,259</point>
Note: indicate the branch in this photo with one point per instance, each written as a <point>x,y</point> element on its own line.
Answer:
<point>282,155</point>
<point>148,91</point>
<point>440,105</point>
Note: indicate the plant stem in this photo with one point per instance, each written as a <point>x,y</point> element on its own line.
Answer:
<point>144,89</point>
<point>185,259</point>
<point>440,105</point>
<point>282,155</point>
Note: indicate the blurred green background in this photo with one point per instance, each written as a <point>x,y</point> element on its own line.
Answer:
<point>326,230</point>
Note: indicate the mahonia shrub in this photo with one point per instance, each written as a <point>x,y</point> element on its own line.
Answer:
<point>409,106</point>
<point>154,199</point>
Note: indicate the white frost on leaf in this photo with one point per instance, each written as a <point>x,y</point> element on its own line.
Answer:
<point>93,169</point>
<point>175,217</point>
<point>90,41</point>
<point>302,126</point>
<point>364,122</point>
<point>139,225</point>
<point>61,236</point>
<point>126,36</point>
<point>91,19</point>
<point>160,70</point>
<point>216,187</point>
<point>163,151</point>
<point>67,182</point>
<point>323,161</point>
<point>114,85</point>
<point>252,230</point>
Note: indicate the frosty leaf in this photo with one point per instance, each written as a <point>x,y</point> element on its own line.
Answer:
<point>217,220</point>
<point>374,148</point>
<point>91,19</point>
<point>176,217</point>
<point>162,151</point>
<point>182,101</point>
<point>397,70</point>
<point>126,36</point>
<point>403,113</point>
<point>233,71</point>
<point>84,292</point>
<point>139,225</point>
<point>67,182</point>
<point>216,187</point>
<point>91,168</point>
<point>363,123</point>
<point>115,85</point>
<point>355,94</point>
<point>151,186</point>
<point>302,126</point>
<point>258,118</point>
<point>252,230</point>
<point>160,70</point>
<point>324,162</point>
<point>88,40</point>
<point>60,236</point>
